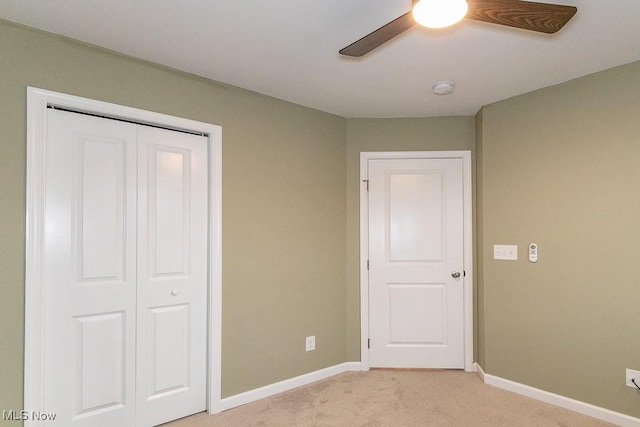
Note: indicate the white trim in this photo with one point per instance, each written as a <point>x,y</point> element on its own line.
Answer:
<point>560,401</point>
<point>364,257</point>
<point>282,386</point>
<point>479,370</point>
<point>37,102</point>
<point>465,155</point>
<point>214,362</point>
<point>354,366</point>
<point>34,355</point>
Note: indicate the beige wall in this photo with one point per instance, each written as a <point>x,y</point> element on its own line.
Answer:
<point>283,205</point>
<point>411,134</point>
<point>560,167</point>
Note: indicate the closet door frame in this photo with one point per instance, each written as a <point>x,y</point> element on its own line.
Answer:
<point>38,100</point>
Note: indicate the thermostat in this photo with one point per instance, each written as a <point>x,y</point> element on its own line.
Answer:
<point>533,252</point>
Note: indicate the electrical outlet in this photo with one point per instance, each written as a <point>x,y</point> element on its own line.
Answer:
<point>635,375</point>
<point>310,343</point>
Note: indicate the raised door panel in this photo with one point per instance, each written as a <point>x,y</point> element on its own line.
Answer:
<point>100,208</point>
<point>101,375</point>
<point>169,218</point>
<point>417,314</point>
<point>414,219</point>
<point>170,347</point>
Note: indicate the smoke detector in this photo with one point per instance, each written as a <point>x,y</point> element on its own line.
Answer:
<point>444,87</point>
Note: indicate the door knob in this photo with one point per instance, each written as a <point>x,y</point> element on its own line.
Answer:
<point>455,274</point>
<point>175,292</point>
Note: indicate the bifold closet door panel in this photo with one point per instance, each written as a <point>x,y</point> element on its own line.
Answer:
<point>89,270</point>
<point>172,274</point>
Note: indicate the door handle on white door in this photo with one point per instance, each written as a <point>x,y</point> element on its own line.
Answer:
<point>175,292</point>
<point>455,274</point>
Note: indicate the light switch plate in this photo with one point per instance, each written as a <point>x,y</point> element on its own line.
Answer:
<point>505,252</point>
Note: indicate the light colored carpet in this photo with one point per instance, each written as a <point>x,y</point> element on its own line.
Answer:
<point>396,398</point>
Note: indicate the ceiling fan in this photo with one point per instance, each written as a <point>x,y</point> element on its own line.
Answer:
<point>527,15</point>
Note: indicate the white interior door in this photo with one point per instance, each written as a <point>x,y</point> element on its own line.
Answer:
<point>90,270</point>
<point>172,273</point>
<point>106,270</point>
<point>416,248</point>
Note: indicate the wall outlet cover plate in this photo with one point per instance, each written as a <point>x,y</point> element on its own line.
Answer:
<point>633,374</point>
<point>505,252</point>
<point>310,343</point>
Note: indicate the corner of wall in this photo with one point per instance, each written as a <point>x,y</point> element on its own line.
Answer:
<point>478,293</point>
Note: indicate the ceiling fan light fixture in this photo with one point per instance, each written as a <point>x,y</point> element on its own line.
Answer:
<point>439,13</point>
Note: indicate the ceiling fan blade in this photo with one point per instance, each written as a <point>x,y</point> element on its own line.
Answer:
<point>379,36</point>
<point>541,17</point>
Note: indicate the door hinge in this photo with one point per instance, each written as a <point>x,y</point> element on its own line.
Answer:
<point>367,264</point>
<point>367,181</point>
<point>368,342</point>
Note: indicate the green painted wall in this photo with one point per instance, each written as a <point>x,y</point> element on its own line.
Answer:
<point>560,167</point>
<point>290,192</point>
<point>410,134</point>
<point>283,205</point>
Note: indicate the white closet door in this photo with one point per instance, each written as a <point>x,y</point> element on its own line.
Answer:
<point>125,272</point>
<point>90,270</point>
<point>172,275</point>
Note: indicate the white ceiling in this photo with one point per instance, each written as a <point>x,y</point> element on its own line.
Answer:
<point>288,49</point>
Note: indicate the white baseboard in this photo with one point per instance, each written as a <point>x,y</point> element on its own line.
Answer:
<point>480,371</point>
<point>512,386</point>
<point>558,400</point>
<point>354,366</point>
<point>291,383</point>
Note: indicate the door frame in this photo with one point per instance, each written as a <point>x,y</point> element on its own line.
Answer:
<point>38,100</point>
<point>467,203</point>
